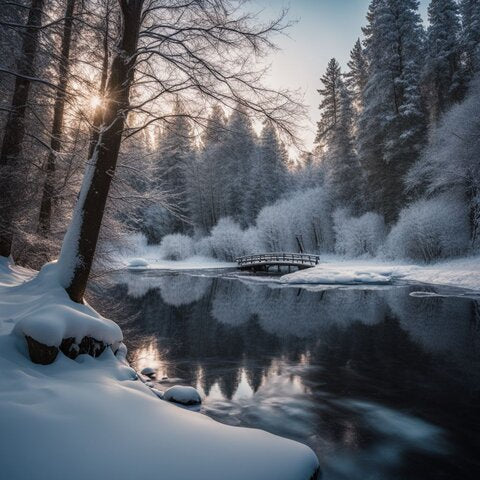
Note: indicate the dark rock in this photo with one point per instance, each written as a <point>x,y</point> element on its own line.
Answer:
<point>91,346</point>
<point>44,354</point>
<point>40,353</point>
<point>69,348</point>
<point>149,372</point>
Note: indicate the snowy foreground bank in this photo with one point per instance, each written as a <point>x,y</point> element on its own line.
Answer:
<point>91,418</point>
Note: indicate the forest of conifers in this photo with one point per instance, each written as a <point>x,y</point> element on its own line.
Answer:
<point>148,116</point>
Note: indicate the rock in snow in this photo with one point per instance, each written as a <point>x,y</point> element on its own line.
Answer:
<point>149,372</point>
<point>183,395</point>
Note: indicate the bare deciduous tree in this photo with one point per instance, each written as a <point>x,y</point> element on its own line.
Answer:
<point>11,170</point>
<point>201,50</point>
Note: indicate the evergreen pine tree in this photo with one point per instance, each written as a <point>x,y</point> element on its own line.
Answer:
<point>330,103</point>
<point>392,124</point>
<point>175,162</point>
<point>269,174</point>
<point>470,11</point>
<point>207,205</point>
<point>239,149</point>
<point>357,76</point>
<point>342,168</point>
<point>335,139</point>
<point>442,73</point>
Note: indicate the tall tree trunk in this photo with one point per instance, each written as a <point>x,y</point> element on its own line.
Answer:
<point>80,242</point>
<point>10,168</point>
<point>45,215</point>
<point>98,115</point>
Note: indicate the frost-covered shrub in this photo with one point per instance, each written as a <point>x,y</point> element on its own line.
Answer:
<point>306,214</point>
<point>356,236</point>
<point>228,240</point>
<point>430,229</point>
<point>451,162</point>
<point>203,247</point>
<point>251,241</point>
<point>176,247</point>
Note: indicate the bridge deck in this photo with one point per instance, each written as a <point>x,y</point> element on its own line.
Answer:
<point>265,260</point>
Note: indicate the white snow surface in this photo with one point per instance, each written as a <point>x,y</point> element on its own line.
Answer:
<point>40,308</point>
<point>182,394</point>
<point>193,263</point>
<point>69,258</point>
<point>139,255</point>
<point>92,418</point>
<point>461,272</point>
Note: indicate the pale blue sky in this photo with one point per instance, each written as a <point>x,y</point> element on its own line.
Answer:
<point>325,29</point>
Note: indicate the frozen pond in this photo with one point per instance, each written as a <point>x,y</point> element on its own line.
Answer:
<point>382,384</point>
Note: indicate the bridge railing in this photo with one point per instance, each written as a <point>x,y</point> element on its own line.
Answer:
<point>292,258</point>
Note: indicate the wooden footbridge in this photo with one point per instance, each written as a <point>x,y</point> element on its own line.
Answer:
<point>263,262</point>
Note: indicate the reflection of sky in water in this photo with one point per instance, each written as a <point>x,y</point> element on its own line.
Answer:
<point>381,384</point>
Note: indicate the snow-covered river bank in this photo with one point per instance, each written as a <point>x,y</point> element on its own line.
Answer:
<point>333,270</point>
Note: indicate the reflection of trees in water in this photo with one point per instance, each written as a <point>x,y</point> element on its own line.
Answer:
<point>184,290</point>
<point>444,326</point>
<point>175,289</point>
<point>219,326</point>
<point>232,302</point>
<point>440,324</point>
<point>297,312</point>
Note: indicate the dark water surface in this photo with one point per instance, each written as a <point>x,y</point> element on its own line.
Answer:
<point>382,384</point>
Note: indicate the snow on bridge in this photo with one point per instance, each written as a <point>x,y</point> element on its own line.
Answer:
<point>262,262</point>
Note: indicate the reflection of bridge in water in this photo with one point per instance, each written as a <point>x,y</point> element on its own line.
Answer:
<point>262,262</point>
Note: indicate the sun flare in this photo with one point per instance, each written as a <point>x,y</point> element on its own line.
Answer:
<point>95,101</point>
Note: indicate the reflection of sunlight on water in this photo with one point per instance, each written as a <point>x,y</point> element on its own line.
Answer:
<point>244,390</point>
<point>149,356</point>
<point>278,380</point>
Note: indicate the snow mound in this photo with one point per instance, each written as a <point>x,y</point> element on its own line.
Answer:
<point>157,392</point>
<point>137,262</point>
<point>183,395</point>
<point>41,309</point>
<point>339,274</point>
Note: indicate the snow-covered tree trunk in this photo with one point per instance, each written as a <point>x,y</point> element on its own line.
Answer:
<point>57,125</point>
<point>80,242</point>
<point>10,156</point>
